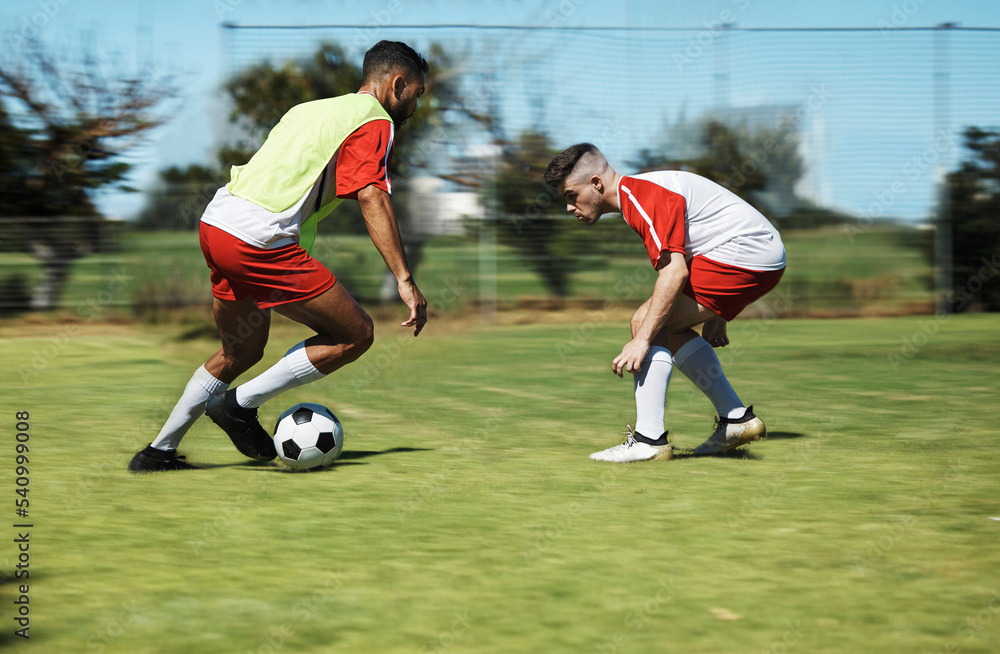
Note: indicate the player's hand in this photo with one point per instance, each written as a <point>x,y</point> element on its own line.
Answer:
<point>411,295</point>
<point>631,358</point>
<point>714,331</point>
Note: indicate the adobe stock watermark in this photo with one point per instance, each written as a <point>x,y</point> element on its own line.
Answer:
<point>625,289</point>
<point>787,125</point>
<point>769,310</point>
<point>958,297</point>
<point>538,206</point>
<point>89,309</point>
<point>564,521</point>
<point>972,627</point>
<point>638,617</point>
<point>791,636</point>
<point>894,532</point>
<point>562,13</point>
<point>381,17</point>
<point>303,612</point>
<point>474,100</point>
<point>100,639</point>
<point>229,514</point>
<point>31,26</point>
<point>753,504</point>
<point>911,173</point>
<point>899,16</point>
<point>878,547</point>
<point>713,29</point>
<point>448,637</point>
<point>439,483</point>
<point>378,360</point>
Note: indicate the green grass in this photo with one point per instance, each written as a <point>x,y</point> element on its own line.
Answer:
<point>464,515</point>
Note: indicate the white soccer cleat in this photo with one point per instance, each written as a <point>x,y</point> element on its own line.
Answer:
<point>636,448</point>
<point>730,434</point>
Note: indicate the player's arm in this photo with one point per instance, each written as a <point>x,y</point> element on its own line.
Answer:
<point>670,280</point>
<point>380,220</point>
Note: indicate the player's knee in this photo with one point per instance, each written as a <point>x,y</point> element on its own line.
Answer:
<point>362,339</point>
<point>238,358</point>
<point>366,338</point>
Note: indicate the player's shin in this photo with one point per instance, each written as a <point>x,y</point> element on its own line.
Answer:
<point>699,363</point>
<point>651,391</point>
<point>188,409</point>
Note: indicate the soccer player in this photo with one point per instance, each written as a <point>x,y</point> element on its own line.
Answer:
<point>714,254</point>
<point>256,236</point>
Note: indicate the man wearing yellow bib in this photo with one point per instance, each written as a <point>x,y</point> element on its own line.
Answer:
<point>257,234</point>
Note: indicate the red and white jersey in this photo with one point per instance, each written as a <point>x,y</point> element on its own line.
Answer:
<point>677,211</point>
<point>362,160</point>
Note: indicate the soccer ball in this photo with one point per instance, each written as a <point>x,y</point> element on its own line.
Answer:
<point>308,436</point>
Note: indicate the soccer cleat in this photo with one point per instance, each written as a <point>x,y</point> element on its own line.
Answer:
<point>241,425</point>
<point>731,433</point>
<point>636,448</point>
<point>151,459</point>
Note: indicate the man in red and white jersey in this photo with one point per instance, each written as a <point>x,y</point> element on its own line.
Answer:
<point>714,254</point>
<point>256,235</point>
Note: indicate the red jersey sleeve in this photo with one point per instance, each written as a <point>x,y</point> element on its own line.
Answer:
<point>364,159</point>
<point>655,213</point>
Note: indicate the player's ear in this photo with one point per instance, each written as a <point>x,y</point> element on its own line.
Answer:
<point>398,85</point>
<point>597,183</point>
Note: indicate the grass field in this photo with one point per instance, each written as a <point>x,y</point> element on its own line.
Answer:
<point>464,515</point>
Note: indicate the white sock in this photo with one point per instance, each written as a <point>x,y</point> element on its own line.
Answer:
<point>188,409</point>
<point>651,391</point>
<point>292,370</point>
<point>698,361</point>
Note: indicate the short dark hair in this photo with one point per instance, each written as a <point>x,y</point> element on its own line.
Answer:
<point>564,163</point>
<point>386,57</point>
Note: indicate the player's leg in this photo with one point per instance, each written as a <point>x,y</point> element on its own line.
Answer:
<point>649,441</point>
<point>344,331</point>
<point>243,329</point>
<point>695,358</point>
<point>653,379</point>
<point>727,290</point>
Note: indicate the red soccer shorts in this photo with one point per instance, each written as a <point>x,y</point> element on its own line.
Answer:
<point>727,289</point>
<point>271,277</point>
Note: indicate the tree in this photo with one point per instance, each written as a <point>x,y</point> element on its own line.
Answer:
<point>179,197</point>
<point>974,202</point>
<point>533,211</point>
<point>64,128</point>
<point>761,164</point>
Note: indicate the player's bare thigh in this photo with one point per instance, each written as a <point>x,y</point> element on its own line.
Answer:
<point>243,329</point>
<point>335,313</point>
<point>685,314</point>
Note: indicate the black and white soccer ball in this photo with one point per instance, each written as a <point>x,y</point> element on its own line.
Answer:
<point>308,436</point>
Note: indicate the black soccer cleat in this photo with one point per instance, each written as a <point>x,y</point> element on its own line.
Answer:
<point>151,459</point>
<point>241,425</point>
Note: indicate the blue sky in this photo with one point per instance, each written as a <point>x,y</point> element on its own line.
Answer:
<point>184,38</point>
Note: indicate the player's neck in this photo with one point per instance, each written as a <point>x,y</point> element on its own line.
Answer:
<point>611,201</point>
<point>380,91</point>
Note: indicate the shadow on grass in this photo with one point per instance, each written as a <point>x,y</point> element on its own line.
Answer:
<point>345,459</point>
<point>364,454</point>
<point>742,453</point>
<point>783,434</point>
<point>204,330</point>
